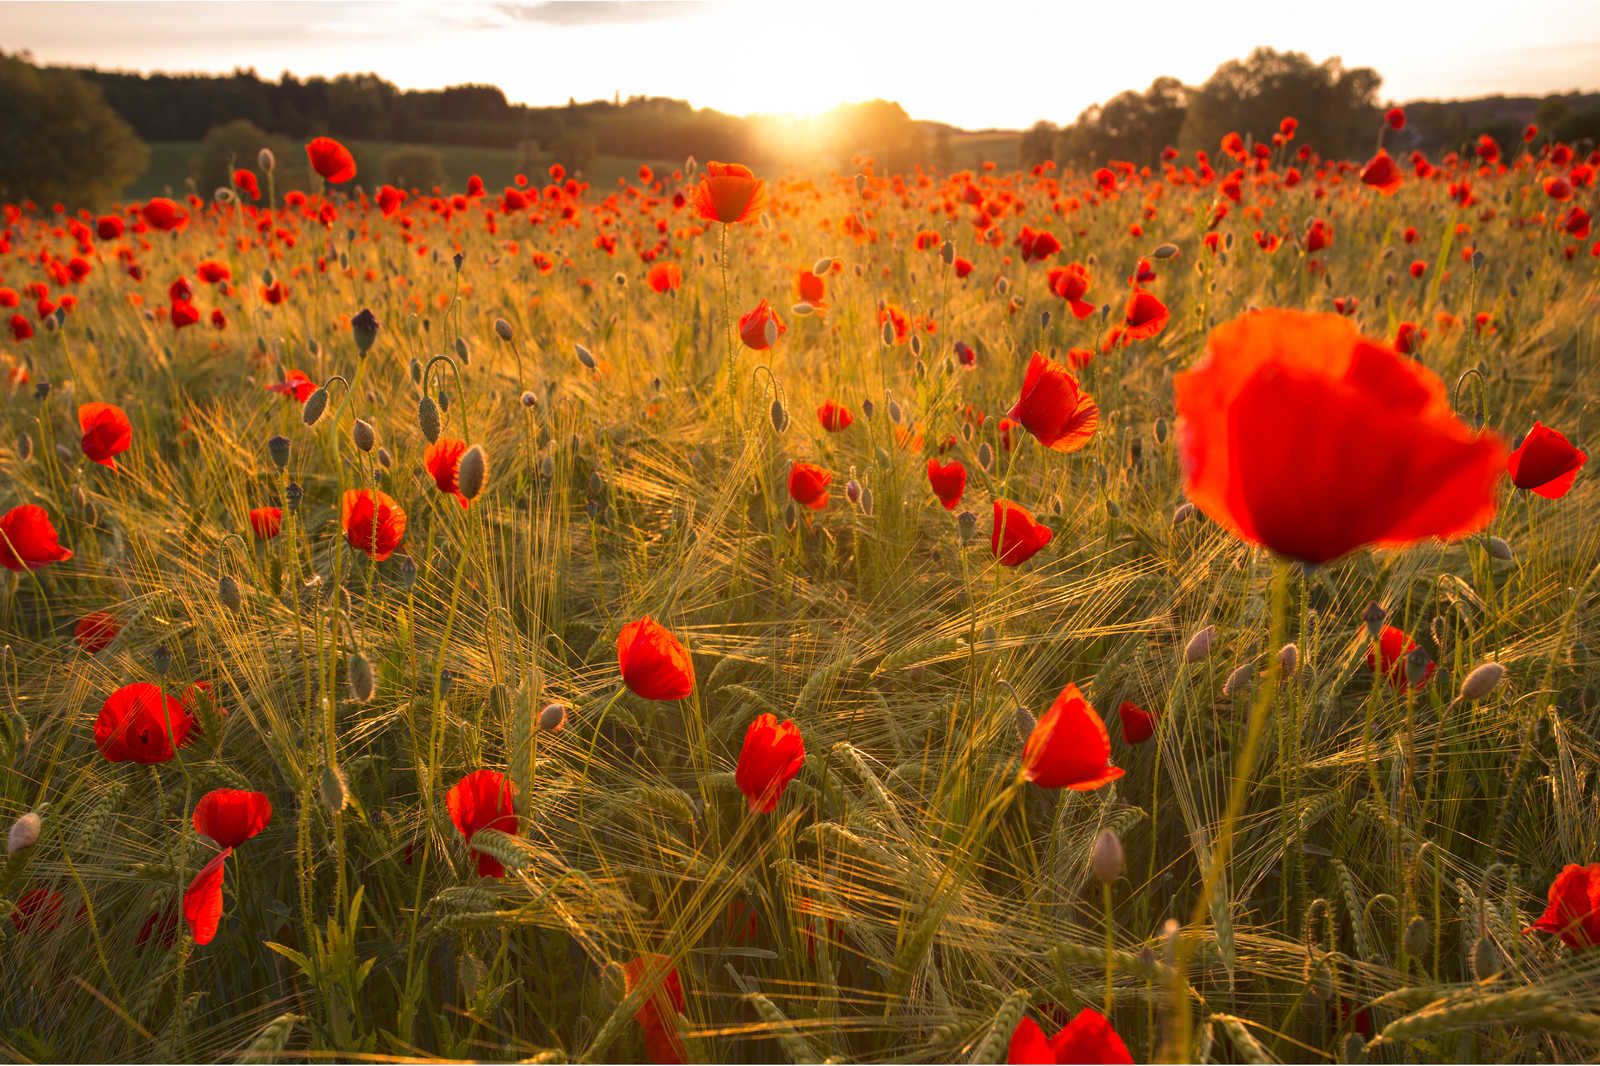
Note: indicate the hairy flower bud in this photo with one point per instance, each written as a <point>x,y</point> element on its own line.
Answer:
<point>364,328</point>
<point>362,683</point>
<point>1199,645</point>
<point>1105,858</point>
<point>472,472</point>
<point>1482,681</point>
<point>315,405</point>
<point>278,449</point>
<point>24,833</point>
<point>553,718</point>
<point>365,437</point>
<point>428,418</point>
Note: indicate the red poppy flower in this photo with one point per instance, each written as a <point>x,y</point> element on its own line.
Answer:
<point>1088,1037</point>
<point>1393,646</point>
<point>160,926</point>
<point>295,383</point>
<point>245,182</point>
<point>106,432</point>
<point>95,631</point>
<point>1069,747</point>
<point>1299,435</point>
<point>729,193</point>
<point>834,416</point>
<point>140,723</point>
<point>1545,462</point>
<point>21,328</point>
<point>1015,537</point>
<point>108,227</point>
<point>808,485</point>
<point>760,327</point>
<point>230,816</point>
<point>654,664</point>
<point>1558,188</point>
<point>372,522</point>
<point>1573,912</point>
<point>331,159</point>
<point>443,460</point>
<point>28,540</point>
<point>1146,316</point>
<point>665,277</point>
<point>1396,118</point>
<point>658,1014</point>
<point>202,901</point>
<point>1053,408</point>
<point>949,481</point>
<point>266,522</point>
<point>183,314</point>
<point>812,289</point>
<point>1071,282</point>
<point>1138,724</point>
<point>1382,173</point>
<point>773,753</point>
<point>37,910</point>
<point>162,214</point>
<point>484,799</point>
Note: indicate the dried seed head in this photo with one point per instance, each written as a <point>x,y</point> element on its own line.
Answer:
<point>228,593</point>
<point>502,329</point>
<point>278,449</point>
<point>472,472</point>
<point>315,405</point>
<point>1105,858</point>
<point>1199,645</point>
<point>24,833</point>
<point>583,356</point>
<point>1482,681</point>
<point>364,328</point>
<point>362,683</point>
<point>364,435</point>
<point>1374,618</point>
<point>553,718</point>
<point>428,418</point>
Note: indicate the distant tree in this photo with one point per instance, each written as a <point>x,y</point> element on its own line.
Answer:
<point>880,129</point>
<point>1038,143</point>
<point>59,140</point>
<point>574,147</point>
<point>1131,126</point>
<point>236,145</point>
<point>1336,106</point>
<point>414,167</point>
<point>1579,127</point>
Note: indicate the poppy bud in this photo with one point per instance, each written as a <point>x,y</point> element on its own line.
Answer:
<point>463,353</point>
<point>385,460</point>
<point>416,372</point>
<point>223,196</point>
<point>966,526</point>
<point>472,471</point>
<point>1182,513</point>
<point>1486,960</point>
<point>1289,659</point>
<point>1482,681</point>
<point>584,357</point>
<point>1002,286</point>
<point>822,266</point>
<point>228,593</point>
<point>1165,251</point>
<point>363,434</point>
<point>266,160</point>
<point>1199,645</point>
<point>428,418</point>
<point>1374,618</point>
<point>866,501</point>
<point>868,407</point>
<point>1498,548</point>
<point>1161,431</point>
<point>1417,937</point>
<point>888,332</point>
<point>948,252</point>
<point>364,328</point>
<point>24,446</point>
<point>861,184</point>
<point>1105,858</point>
<point>314,407</point>
<point>852,490</point>
<point>24,832</point>
<point>1417,664</point>
<point>278,449</point>
<point>1025,722</point>
<point>553,718</point>
<point>502,329</point>
<point>332,789</point>
<point>41,390</point>
<point>894,412</point>
<point>801,309</point>
<point>362,685</point>
<point>1238,681</point>
<point>985,455</point>
<point>293,495</point>
<point>458,259</point>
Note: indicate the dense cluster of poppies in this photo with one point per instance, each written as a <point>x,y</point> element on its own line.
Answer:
<point>1296,431</point>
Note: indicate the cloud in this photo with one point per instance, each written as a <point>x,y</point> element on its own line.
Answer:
<point>601,12</point>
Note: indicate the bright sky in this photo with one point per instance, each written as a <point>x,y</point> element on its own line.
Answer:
<point>972,63</point>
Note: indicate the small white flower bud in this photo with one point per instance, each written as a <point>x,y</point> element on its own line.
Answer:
<point>24,832</point>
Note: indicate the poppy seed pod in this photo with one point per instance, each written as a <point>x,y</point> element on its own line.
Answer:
<point>1482,681</point>
<point>502,329</point>
<point>266,160</point>
<point>362,684</point>
<point>1199,645</point>
<point>315,405</point>
<point>472,472</point>
<point>24,832</point>
<point>228,593</point>
<point>364,328</point>
<point>1105,858</point>
<point>553,718</point>
<point>363,434</point>
<point>278,449</point>
<point>428,418</point>
<point>583,356</point>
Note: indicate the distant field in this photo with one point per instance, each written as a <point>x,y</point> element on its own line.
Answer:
<point>170,160</point>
